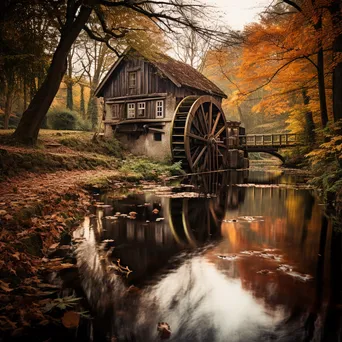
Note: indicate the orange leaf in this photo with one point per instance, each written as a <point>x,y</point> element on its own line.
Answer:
<point>4,286</point>
<point>71,319</point>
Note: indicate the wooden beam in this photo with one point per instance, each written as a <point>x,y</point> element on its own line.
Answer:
<point>157,130</point>
<point>129,121</point>
<point>139,97</point>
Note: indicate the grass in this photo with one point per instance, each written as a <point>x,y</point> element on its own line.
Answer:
<point>60,150</point>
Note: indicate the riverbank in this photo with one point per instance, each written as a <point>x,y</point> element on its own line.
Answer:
<point>45,195</point>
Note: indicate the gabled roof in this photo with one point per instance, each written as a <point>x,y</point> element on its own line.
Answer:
<point>181,74</point>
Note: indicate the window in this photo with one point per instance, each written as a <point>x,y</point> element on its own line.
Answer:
<point>157,136</point>
<point>115,111</point>
<point>160,109</point>
<point>131,111</point>
<point>141,109</point>
<point>132,80</point>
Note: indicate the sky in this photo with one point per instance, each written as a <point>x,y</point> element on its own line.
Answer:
<point>238,13</point>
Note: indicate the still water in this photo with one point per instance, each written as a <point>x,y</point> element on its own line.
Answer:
<point>222,257</point>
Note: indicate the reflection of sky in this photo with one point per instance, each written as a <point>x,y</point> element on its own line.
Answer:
<point>207,298</point>
<point>198,298</point>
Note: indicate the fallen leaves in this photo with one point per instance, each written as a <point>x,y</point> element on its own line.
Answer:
<point>8,217</point>
<point>5,286</point>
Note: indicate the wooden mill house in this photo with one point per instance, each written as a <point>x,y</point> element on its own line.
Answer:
<point>141,95</point>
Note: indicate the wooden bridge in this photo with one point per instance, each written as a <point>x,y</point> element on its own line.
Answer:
<point>269,143</point>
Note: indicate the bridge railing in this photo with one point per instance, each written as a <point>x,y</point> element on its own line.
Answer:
<point>279,139</point>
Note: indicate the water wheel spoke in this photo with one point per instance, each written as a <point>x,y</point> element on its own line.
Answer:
<point>209,160</point>
<point>217,157</point>
<point>210,116</point>
<point>219,132</point>
<point>194,136</point>
<point>204,118</point>
<point>194,154</point>
<point>195,125</point>
<point>216,122</point>
<point>205,163</point>
<point>213,155</point>
<point>199,156</point>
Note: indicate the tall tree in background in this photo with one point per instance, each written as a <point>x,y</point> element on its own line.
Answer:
<point>97,59</point>
<point>73,16</point>
<point>335,10</point>
<point>191,48</point>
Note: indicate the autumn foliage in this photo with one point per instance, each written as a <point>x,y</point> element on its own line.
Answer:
<point>287,60</point>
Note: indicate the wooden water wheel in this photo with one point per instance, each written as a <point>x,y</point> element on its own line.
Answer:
<point>199,134</point>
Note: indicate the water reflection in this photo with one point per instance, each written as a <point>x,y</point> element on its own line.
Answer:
<point>248,264</point>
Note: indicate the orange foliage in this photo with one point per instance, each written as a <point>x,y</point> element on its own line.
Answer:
<point>279,57</point>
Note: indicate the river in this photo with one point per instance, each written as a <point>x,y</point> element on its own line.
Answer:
<point>237,256</point>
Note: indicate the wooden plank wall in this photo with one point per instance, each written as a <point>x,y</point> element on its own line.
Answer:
<point>149,81</point>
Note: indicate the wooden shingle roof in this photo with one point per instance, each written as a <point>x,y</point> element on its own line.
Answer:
<point>181,74</point>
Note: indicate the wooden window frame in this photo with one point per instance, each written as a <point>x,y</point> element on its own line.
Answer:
<point>143,108</point>
<point>133,107</point>
<point>131,85</point>
<point>115,110</point>
<point>159,116</point>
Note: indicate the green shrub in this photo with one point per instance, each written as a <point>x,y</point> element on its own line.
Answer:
<point>65,119</point>
<point>150,170</point>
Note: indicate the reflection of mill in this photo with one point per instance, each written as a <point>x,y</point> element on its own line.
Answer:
<point>195,220</point>
<point>149,241</point>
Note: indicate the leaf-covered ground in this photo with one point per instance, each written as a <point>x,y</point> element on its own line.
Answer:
<point>36,212</point>
<point>43,198</point>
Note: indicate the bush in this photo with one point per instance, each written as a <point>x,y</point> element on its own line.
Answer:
<point>65,119</point>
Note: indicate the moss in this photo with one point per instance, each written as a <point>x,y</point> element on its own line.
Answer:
<point>110,147</point>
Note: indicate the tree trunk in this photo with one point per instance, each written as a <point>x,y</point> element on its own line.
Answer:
<point>93,112</point>
<point>337,82</point>
<point>8,105</point>
<point>321,88</point>
<point>29,125</point>
<point>335,10</point>
<point>70,98</point>
<point>82,104</point>
<point>309,123</point>
<point>25,96</point>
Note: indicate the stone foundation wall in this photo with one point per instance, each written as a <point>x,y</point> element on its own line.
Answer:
<point>145,144</point>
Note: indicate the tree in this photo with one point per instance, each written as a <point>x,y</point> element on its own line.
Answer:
<point>288,55</point>
<point>99,58</point>
<point>312,13</point>
<point>72,16</point>
<point>336,19</point>
<point>191,48</point>
<point>22,55</point>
